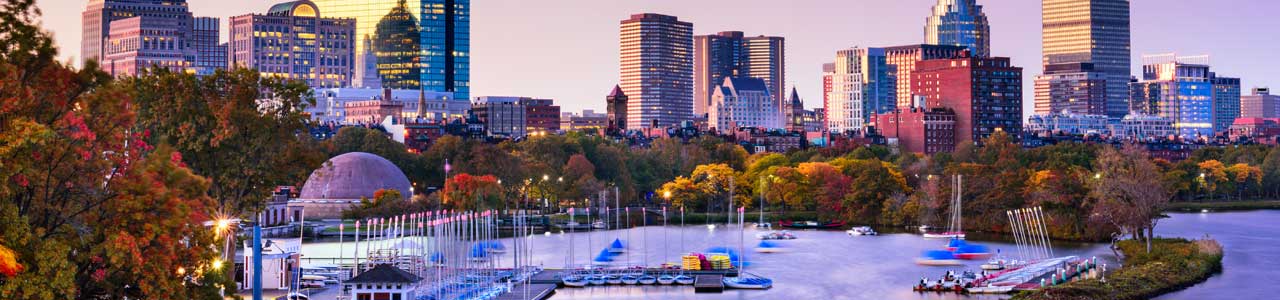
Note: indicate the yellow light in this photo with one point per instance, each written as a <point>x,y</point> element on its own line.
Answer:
<point>223,224</point>
<point>217,263</point>
<point>182,270</point>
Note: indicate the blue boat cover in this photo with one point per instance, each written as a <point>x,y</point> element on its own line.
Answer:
<point>617,244</point>
<point>938,254</point>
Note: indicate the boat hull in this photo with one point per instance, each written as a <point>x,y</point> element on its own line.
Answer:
<point>939,262</point>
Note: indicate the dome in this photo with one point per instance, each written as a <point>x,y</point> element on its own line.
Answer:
<point>354,175</point>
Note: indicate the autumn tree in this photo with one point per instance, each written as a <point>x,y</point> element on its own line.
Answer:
<point>1126,193</point>
<point>468,192</point>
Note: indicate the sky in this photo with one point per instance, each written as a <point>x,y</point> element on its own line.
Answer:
<point>567,50</point>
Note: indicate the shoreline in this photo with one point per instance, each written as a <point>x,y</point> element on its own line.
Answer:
<point>1174,264</point>
<point>1223,206</point>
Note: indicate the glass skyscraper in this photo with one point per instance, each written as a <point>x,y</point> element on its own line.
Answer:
<point>416,43</point>
<point>959,23</point>
<point>731,54</point>
<point>1178,88</point>
<point>1094,32</point>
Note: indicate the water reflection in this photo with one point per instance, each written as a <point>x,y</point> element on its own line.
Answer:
<point>1250,241</point>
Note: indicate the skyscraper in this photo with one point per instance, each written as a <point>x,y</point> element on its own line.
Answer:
<point>415,43</point>
<point>295,40</point>
<point>1095,32</point>
<point>729,54</point>
<point>99,14</point>
<point>985,93</point>
<point>1073,87</point>
<point>139,43</point>
<point>211,55</point>
<point>905,58</point>
<point>1178,88</point>
<point>862,84</point>
<point>657,70</point>
<point>959,23</point>
<point>1226,101</point>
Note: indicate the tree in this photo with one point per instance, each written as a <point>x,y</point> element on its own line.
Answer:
<point>1126,193</point>
<point>474,193</point>
<point>1213,174</point>
<point>829,186</point>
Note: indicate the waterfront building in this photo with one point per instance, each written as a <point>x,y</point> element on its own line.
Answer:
<point>744,102</point>
<point>657,70</point>
<point>1226,102</point>
<point>99,14</point>
<point>342,181</point>
<point>863,84</point>
<point>1261,104</point>
<point>383,281</point>
<point>1178,88</point>
<point>1140,126</point>
<point>985,93</point>
<point>905,58</point>
<point>293,40</point>
<point>410,44</point>
<point>1095,32</point>
<point>139,43</point>
<point>959,23</point>
<point>280,257</point>
<point>211,54</point>
<point>1073,87</point>
<point>919,130</point>
<point>616,108</point>
<point>502,116</point>
<point>1068,123</point>
<point>416,106</point>
<point>587,120</point>
<point>542,116</point>
<point>730,54</point>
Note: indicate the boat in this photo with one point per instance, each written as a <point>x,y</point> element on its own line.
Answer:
<point>776,235</point>
<point>574,280</point>
<point>617,247</point>
<point>630,279</point>
<point>684,279</point>
<point>748,281</point>
<point>599,225</point>
<point>647,279</point>
<point>954,229</point>
<point>768,247</point>
<point>812,225</point>
<point>924,228</point>
<point>861,230</point>
<point>944,235</point>
<point>938,258</point>
<point>613,279</point>
<point>764,226</point>
<point>972,252</point>
<point>596,280</point>
<point>666,279</point>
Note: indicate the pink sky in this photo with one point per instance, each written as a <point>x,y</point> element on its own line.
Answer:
<point>568,49</point>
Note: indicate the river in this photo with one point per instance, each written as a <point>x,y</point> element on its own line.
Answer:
<point>1251,245</point>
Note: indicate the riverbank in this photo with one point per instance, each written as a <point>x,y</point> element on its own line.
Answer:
<point>1224,205</point>
<point>1172,265</point>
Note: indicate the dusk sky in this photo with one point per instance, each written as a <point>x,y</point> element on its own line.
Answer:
<point>567,50</point>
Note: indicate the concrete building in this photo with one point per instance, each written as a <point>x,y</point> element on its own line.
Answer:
<point>1141,126</point>
<point>959,23</point>
<point>905,58</point>
<point>743,102</point>
<point>587,120</point>
<point>294,40</point>
<point>140,43</point>
<point>730,54</point>
<point>1073,87</point>
<point>416,106</point>
<point>1178,88</point>
<point>1261,104</point>
<point>1226,102</point>
<point>657,70</point>
<point>985,93</point>
<point>369,112</point>
<point>99,14</point>
<point>502,116</point>
<point>211,53</point>
<point>410,44</point>
<point>1067,123</point>
<point>863,84</point>
<point>1095,32</point>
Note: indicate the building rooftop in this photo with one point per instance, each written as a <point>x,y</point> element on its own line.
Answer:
<point>385,273</point>
<point>354,175</point>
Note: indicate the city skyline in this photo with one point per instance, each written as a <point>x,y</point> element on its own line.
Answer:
<point>814,32</point>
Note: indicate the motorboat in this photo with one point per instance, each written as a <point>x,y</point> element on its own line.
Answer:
<point>599,225</point>
<point>748,282</point>
<point>812,225</point>
<point>861,230</point>
<point>776,235</point>
<point>764,226</point>
<point>944,235</point>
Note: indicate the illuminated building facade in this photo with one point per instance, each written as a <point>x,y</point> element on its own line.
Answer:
<point>1095,32</point>
<point>657,70</point>
<point>293,41</point>
<point>959,23</point>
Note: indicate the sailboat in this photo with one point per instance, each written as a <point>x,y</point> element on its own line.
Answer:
<point>665,278</point>
<point>682,278</point>
<point>954,230</point>
<point>573,279</point>
<point>745,280</point>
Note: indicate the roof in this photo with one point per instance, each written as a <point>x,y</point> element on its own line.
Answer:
<point>795,98</point>
<point>746,83</point>
<point>288,9</point>
<point>617,91</point>
<point>354,175</point>
<point>385,273</point>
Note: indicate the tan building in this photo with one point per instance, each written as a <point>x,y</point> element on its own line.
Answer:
<point>905,58</point>
<point>657,70</point>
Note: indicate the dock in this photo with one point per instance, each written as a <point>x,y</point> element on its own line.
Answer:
<point>553,276</point>
<point>535,292</point>
<point>708,284</point>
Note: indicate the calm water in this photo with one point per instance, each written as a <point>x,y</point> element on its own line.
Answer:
<point>818,265</point>
<point>1251,263</point>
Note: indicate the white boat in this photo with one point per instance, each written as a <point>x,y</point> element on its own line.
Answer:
<point>666,279</point>
<point>574,281</point>
<point>863,230</point>
<point>599,225</point>
<point>924,228</point>
<point>764,226</point>
<point>944,235</point>
<point>648,279</point>
<point>613,279</point>
<point>684,279</point>
<point>596,280</point>
<point>630,279</point>
<point>748,282</point>
<point>939,262</point>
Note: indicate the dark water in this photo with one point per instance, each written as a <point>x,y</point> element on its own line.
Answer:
<point>1251,262</point>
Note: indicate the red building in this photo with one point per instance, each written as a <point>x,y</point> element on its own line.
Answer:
<point>920,130</point>
<point>985,93</point>
<point>1260,130</point>
<point>541,115</point>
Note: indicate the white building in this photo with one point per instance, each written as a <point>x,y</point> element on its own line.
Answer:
<point>383,282</point>
<point>1068,123</point>
<point>743,102</point>
<point>1143,127</point>
<point>862,84</point>
<point>280,258</point>
<point>436,105</point>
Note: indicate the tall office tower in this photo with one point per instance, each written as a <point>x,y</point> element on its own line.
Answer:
<point>139,43</point>
<point>905,58</point>
<point>985,93</point>
<point>415,43</point>
<point>959,23</point>
<point>863,84</point>
<point>729,54</point>
<point>1261,104</point>
<point>99,14</point>
<point>1178,88</point>
<point>657,70</point>
<point>616,107</point>
<point>294,41</point>
<point>794,112</point>
<point>1091,31</point>
<point>743,102</point>
<point>211,54</point>
<point>1072,87</point>
<point>1226,101</point>
<point>828,76</point>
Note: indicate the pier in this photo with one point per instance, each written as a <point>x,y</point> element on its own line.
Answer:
<point>708,284</point>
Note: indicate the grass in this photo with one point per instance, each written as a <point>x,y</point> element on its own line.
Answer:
<point>1224,205</point>
<point>1172,265</point>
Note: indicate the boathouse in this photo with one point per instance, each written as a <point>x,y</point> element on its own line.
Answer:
<point>383,282</point>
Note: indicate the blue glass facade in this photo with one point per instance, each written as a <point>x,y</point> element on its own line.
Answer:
<point>414,43</point>
<point>446,46</point>
<point>959,23</point>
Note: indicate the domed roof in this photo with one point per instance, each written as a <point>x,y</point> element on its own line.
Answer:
<point>352,176</point>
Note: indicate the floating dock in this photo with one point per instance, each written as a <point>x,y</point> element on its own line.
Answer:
<point>708,284</point>
<point>534,292</point>
<point>553,276</point>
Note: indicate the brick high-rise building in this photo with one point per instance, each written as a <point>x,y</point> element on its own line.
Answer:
<point>920,130</point>
<point>657,70</point>
<point>139,43</point>
<point>985,93</point>
<point>731,54</point>
<point>541,115</point>
<point>905,58</point>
